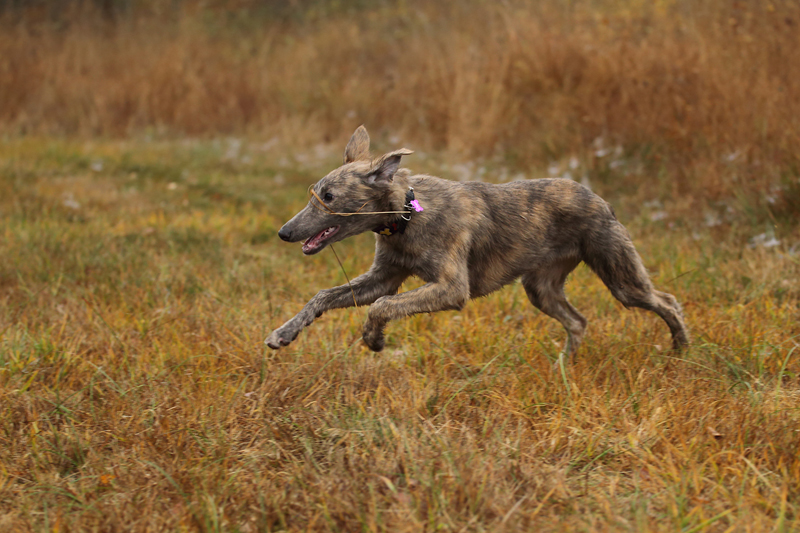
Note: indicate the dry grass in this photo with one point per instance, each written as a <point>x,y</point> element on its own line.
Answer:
<point>686,85</point>
<point>138,281</point>
<point>139,276</point>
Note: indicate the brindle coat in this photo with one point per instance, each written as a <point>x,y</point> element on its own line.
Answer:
<point>471,239</point>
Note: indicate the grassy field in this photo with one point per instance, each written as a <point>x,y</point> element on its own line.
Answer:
<point>138,280</point>
<point>688,85</point>
<point>149,154</point>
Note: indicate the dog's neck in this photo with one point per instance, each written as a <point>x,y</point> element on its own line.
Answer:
<point>399,199</point>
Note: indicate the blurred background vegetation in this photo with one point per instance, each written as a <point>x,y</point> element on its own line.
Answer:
<point>701,97</point>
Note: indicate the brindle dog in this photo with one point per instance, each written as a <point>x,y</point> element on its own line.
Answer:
<point>469,240</point>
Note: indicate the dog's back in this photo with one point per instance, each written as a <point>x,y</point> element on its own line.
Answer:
<point>512,228</point>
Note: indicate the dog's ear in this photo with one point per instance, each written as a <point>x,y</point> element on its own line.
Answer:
<point>358,147</point>
<point>384,168</point>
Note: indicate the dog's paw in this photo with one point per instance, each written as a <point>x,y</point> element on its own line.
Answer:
<point>680,341</point>
<point>279,338</point>
<point>373,337</point>
<point>375,344</point>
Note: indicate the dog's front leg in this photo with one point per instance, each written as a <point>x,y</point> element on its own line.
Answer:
<point>439,296</point>
<point>363,290</point>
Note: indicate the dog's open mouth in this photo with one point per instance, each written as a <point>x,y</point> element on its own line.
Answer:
<point>317,242</point>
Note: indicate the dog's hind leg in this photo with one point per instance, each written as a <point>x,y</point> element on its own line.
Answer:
<point>613,258</point>
<point>545,290</point>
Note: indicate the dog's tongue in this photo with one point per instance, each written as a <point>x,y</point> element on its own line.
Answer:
<point>315,242</point>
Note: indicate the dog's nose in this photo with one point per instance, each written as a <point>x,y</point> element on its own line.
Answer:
<point>285,234</point>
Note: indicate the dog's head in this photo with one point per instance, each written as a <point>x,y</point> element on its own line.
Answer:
<point>360,185</point>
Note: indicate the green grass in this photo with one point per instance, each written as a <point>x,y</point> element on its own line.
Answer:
<point>138,280</point>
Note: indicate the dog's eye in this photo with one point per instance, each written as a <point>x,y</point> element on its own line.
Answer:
<point>327,197</point>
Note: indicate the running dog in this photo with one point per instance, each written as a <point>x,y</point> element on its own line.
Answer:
<point>465,240</point>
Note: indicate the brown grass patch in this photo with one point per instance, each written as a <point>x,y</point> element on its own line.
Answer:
<point>691,88</point>
<point>139,276</point>
<point>139,280</point>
